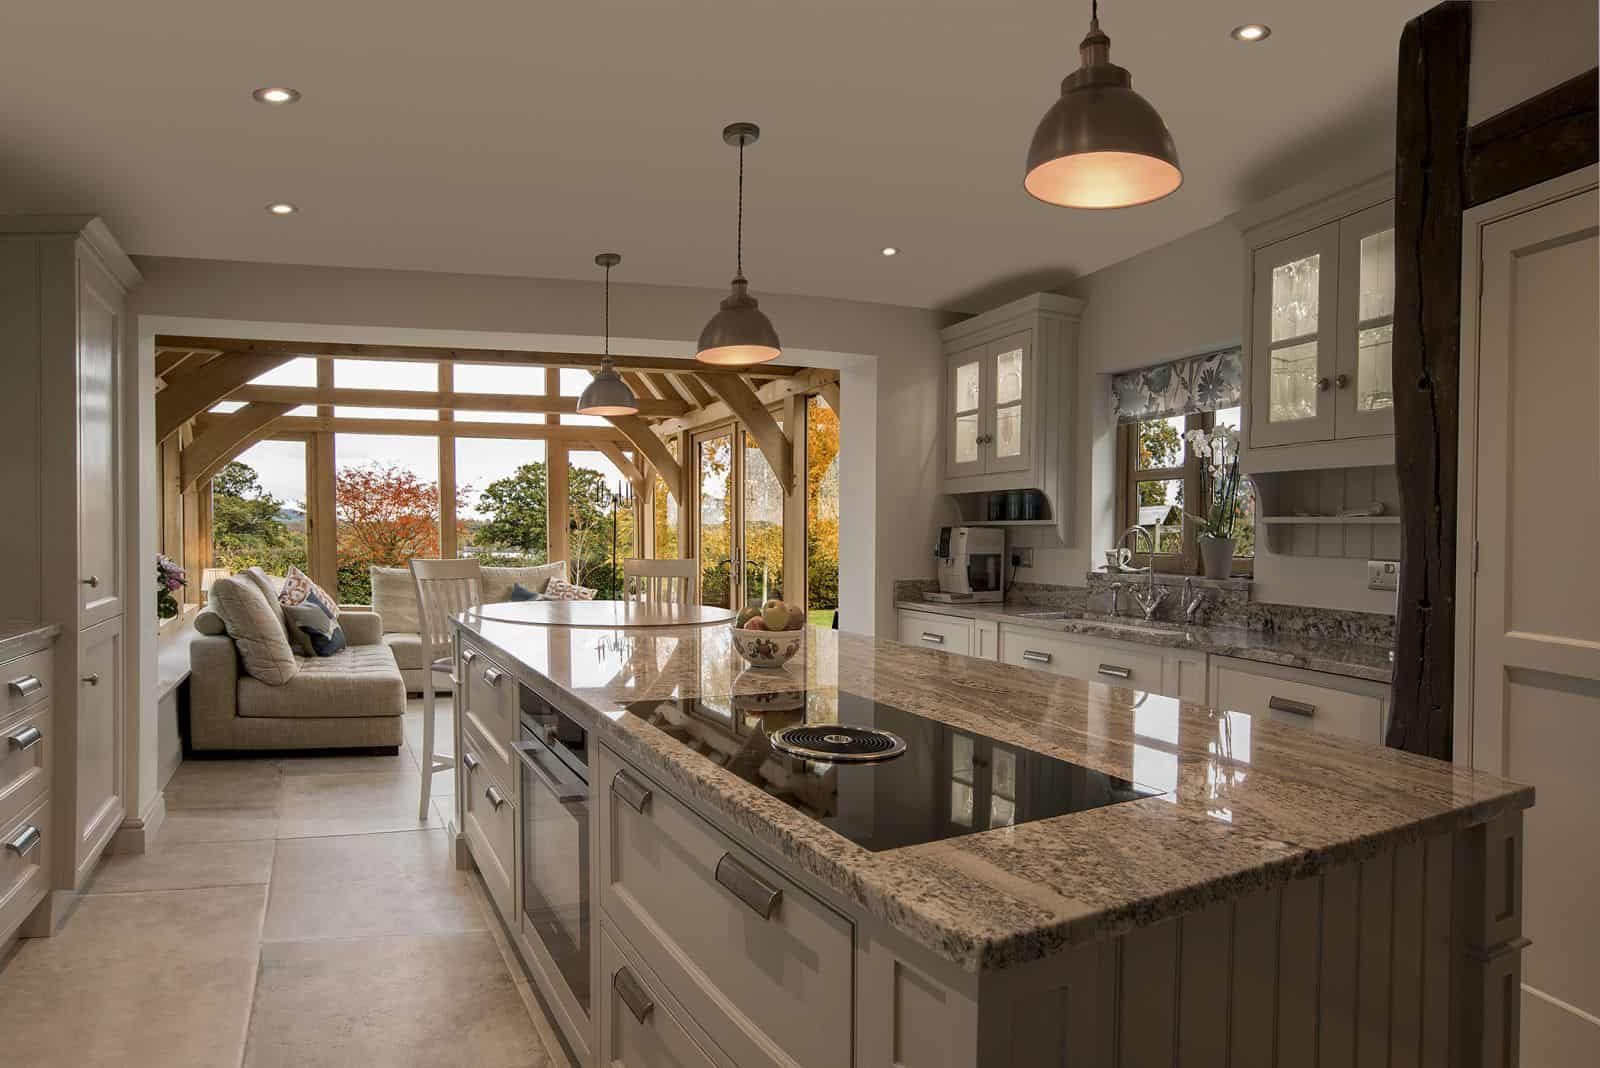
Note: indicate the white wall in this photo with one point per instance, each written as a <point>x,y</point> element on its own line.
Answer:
<point>1520,48</point>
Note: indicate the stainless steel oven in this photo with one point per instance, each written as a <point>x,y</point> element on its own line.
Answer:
<point>554,756</point>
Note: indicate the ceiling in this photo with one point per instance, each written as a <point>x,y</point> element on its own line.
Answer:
<point>520,139</point>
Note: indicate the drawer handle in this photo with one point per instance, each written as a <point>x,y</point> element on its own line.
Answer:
<point>24,686</point>
<point>1299,708</point>
<point>470,761</point>
<point>632,993</point>
<point>929,636</point>
<point>493,676</point>
<point>1116,671</point>
<point>93,678</point>
<point>747,886</point>
<point>25,841</point>
<point>1036,657</point>
<point>27,738</point>
<point>468,656</point>
<point>493,795</point>
<point>93,582</point>
<point>634,794</point>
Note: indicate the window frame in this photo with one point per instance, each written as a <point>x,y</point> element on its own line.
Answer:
<point>1129,474</point>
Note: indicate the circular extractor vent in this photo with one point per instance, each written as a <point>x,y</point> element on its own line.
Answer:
<point>837,743</point>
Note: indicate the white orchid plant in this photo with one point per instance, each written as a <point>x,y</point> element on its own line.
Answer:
<point>1218,450</point>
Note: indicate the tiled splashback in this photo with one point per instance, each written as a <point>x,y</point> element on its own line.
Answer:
<point>1227,604</point>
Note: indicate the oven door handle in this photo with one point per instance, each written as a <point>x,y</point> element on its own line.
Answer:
<point>575,789</point>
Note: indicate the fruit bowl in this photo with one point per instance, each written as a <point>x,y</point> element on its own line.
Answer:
<point>768,648</point>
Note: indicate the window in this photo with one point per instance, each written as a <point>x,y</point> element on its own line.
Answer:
<point>600,522</point>
<point>503,513</point>
<point>666,513</point>
<point>1158,474</point>
<point>386,506</point>
<point>822,512</point>
<point>258,509</point>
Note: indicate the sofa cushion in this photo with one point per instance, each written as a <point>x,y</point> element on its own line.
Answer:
<point>210,624</point>
<point>407,650</point>
<point>361,680</point>
<point>313,626</point>
<point>498,581</point>
<point>394,597</point>
<point>297,587</point>
<point>254,622</point>
<point>519,592</point>
<point>562,590</point>
<point>270,586</point>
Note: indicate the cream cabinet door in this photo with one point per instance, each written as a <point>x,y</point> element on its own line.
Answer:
<point>1293,327</point>
<point>1013,403</point>
<point>966,422</point>
<point>1314,700</point>
<point>100,583</point>
<point>1363,393</point>
<point>1529,639</point>
<point>98,748</point>
<point>950,634</point>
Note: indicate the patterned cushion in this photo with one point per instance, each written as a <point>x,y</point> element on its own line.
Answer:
<point>298,587</point>
<point>313,625</point>
<point>562,590</point>
<point>253,622</point>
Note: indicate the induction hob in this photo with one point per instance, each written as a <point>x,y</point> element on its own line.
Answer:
<point>939,782</point>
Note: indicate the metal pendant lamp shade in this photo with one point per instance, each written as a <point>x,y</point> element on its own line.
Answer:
<point>740,334</point>
<point>607,393</point>
<point>1101,145</point>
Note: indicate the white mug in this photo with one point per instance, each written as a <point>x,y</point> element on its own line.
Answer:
<point>1117,559</point>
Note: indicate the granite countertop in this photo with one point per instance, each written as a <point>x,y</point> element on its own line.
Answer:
<point>17,639</point>
<point>1246,804</point>
<point>1374,663</point>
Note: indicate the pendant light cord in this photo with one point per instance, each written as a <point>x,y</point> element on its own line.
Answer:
<point>738,242</point>
<point>607,355</point>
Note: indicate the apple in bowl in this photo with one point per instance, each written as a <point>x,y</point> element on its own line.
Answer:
<point>768,635</point>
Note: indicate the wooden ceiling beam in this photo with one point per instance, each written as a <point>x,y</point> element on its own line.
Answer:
<point>752,412</point>
<point>652,448</point>
<point>630,471</point>
<point>813,381</point>
<point>407,398</point>
<point>225,437</point>
<point>695,388</point>
<point>169,360</point>
<point>517,357</point>
<point>575,436</point>
<point>189,395</point>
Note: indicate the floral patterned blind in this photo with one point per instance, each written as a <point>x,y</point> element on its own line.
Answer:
<point>1205,383</point>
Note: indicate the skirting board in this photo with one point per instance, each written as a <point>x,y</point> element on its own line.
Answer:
<point>138,832</point>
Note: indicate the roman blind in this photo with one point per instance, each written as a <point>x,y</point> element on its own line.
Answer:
<point>1204,383</point>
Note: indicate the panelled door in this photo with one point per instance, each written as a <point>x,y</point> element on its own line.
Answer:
<point>1529,633</point>
<point>738,519</point>
<point>966,435</point>
<point>1363,394</point>
<point>1293,330</point>
<point>1013,404</point>
<point>99,471</point>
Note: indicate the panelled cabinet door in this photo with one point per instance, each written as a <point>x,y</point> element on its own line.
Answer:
<point>967,429</point>
<point>98,740</point>
<point>99,487</point>
<point>1293,326</point>
<point>1012,403</point>
<point>1363,383</point>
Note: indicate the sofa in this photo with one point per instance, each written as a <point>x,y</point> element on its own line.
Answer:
<point>354,699</point>
<point>394,598</point>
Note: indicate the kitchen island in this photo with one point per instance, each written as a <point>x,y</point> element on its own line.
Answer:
<point>1235,889</point>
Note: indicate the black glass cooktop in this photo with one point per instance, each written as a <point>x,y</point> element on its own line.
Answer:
<point>942,783</point>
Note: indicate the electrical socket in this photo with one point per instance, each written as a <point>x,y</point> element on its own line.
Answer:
<point>1022,556</point>
<point>1383,575</point>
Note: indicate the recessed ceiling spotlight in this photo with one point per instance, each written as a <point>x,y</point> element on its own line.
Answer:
<point>890,250</point>
<point>1251,32</point>
<point>282,208</point>
<point>276,94</point>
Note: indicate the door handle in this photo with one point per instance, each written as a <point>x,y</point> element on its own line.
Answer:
<point>632,993</point>
<point>1115,671</point>
<point>1036,656</point>
<point>575,790</point>
<point>1340,381</point>
<point>93,678</point>
<point>929,636</point>
<point>25,841</point>
<point>468,656</point>
<point>26,738</point>
<point>1298,708</point>
<point>493,676</point>
<point>493,795</point>
<point>25,685</point>
<point>470,761</point>
<point>634,794</point>
<point>93,582</point>
<point>1322,385</point>
<point>747,886</point>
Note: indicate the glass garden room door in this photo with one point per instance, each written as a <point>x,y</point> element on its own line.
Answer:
<point>738,512</point>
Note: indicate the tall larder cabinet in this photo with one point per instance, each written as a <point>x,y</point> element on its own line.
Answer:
<point>63,289</point>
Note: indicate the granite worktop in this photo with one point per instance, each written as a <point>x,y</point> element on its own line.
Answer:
<point>17,639</point>
<point>1374,663</point>
<point>1244,804</point>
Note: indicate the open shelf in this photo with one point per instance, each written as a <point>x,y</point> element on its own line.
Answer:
<point>1329,520</point>
<point>1009,523</point>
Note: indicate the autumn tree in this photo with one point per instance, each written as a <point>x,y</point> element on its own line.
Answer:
<point>386,515</point>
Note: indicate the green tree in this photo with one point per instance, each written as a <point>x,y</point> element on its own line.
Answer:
<point>247,528</point>
<point>518,511</point>
<point>1160,445</point>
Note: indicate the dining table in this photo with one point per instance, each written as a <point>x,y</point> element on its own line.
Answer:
<point>602,614</point>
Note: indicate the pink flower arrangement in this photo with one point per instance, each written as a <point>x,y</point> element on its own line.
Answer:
<point>170,578</point>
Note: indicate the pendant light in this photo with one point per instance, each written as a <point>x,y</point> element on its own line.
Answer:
<point>739,335</point>
<point>1101,145</point>
<point>607,393</point>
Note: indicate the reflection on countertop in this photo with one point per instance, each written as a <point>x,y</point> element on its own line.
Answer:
<point>1245,803</point>
<point>1372,662</point>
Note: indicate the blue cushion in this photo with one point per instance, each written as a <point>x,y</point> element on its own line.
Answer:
<point>519,592</point>
<point>313,623</point>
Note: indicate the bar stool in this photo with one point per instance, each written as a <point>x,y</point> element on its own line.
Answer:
<point>445,588</point>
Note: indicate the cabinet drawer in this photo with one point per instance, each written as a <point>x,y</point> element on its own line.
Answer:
<point>24,762</point>
<point>489,817</point>
<point>932,631</point>
<point>489,701</point>
<point>636,1029</point>
<point>738,944</point>
<point>24,865</point>
<point>1113,663</point>
<point>27,682</point>
<point>1300,702</point>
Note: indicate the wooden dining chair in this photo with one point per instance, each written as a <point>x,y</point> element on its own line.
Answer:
<point>660,581</point>
<point>445,588</point>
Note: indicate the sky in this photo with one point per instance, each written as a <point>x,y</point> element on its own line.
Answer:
<point>479,461</point>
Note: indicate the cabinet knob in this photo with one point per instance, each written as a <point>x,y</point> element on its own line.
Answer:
<point>93,582</point>
<point>1341,380</point>
<point>1322,385</point>
<point>93,678</point>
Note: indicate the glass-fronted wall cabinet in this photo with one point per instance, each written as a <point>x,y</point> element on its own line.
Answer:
<point>1321,328</point>
<point>993,406</point>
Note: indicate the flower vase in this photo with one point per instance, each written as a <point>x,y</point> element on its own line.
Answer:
<point>166,605</point>
<point>1216,556</point>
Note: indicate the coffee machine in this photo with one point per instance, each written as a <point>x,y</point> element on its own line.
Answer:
<point>972,564</point>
